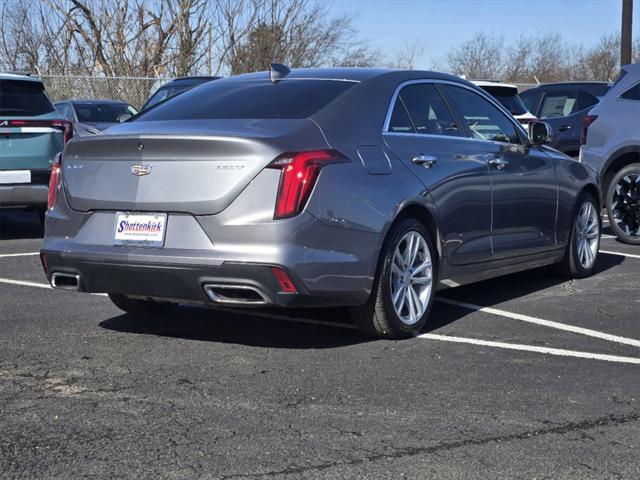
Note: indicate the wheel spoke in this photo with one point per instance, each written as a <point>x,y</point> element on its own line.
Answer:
<point>423,266</point>
<point>422,280</point>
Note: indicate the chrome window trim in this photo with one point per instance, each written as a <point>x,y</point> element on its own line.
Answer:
<point>481,93</point>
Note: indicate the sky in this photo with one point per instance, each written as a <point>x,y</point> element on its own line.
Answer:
<point>444,24</point>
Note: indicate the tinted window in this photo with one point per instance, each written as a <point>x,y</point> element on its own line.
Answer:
<point>400,121</point>
<point>165,92</point>
<point>249,99</point>
<point>530,100</point>
<point>101,112</point>
<point>23,98</point>
<point>508,98</point>
<point>586,100</point>
<point>428,110</point>
<point>485,121</point>
<point>558,105</point>
<point>632,94</point>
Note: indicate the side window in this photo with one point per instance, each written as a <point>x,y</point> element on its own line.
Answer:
<point>400,121</point>
<point>68,112</point>
<point>428,110</point>
<point>632,94</point>
<point>485,121</point>
<point>530,100</point>
<point>586,100</point>
<point>558,105</point>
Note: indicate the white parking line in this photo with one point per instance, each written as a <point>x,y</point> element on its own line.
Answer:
<point>630,255</point>
<point>546,323</point>
<point>530,348</point>
<point>446,338</point>
<point>30,254</point>
<point>25,284</point>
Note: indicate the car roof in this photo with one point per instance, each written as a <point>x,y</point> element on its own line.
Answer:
<point>490,83</point>
<point>189,81</point>
<point>16,76</point>
<point>94,101</point>
<point>351,74</point>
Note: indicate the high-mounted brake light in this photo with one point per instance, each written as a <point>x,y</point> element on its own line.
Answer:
<point>62,125</point>
<point>56,173</point>
<point>299,174</point>
<point>587,120</point>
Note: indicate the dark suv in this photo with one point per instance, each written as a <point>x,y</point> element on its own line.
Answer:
<point>563,106</point>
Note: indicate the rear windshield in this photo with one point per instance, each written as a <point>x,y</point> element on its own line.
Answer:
<point>509,99</point>
<point>295,98</point>
<point>164,92</point>
<point>23,98</point>
<point>101,113</point>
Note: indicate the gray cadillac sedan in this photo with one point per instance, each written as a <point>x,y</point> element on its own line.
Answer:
<point>362,188</point>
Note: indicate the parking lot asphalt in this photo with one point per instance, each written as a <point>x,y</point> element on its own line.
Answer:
<point>527,376</point>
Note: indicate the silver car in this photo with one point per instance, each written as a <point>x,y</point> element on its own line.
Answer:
<point>361,188</point>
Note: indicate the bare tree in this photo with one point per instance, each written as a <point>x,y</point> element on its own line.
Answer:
<point>408,56</point>
<point>479,58</point>
<point>300,33</point>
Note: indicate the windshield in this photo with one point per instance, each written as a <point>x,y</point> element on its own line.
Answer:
<point>23,98</point>
<point>508,97</point>
<point>231,98</point>
<point>102,112</point>
<point>164,92</point>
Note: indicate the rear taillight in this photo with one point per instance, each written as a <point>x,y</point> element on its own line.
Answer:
<point>63,125</point>
<point>299,174</point>
<point>586,121</point>
<point>56,172</point>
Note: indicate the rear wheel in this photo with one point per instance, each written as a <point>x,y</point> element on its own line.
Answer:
<point>584,243</point>
<point>403,290</point>
<point>623,204</point>
<point>135,306</point>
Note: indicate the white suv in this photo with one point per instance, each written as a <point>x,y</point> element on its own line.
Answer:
<point>611,145</point>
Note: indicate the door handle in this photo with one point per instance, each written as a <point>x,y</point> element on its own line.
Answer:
<point>427,161</point>
<point>564,128</point>
<point>498,162</point>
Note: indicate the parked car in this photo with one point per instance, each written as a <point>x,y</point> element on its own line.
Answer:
<point>508,96</point>
<point>563,106</point>
<point>93,116</point>
<point>175,87</point>
<point>363,188</point>
<point>611,145</point>
<point>31,134</point>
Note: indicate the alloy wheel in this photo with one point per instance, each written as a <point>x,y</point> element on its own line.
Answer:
<point>587,234</point>
<point>411,277</point>
<point>625,204</point>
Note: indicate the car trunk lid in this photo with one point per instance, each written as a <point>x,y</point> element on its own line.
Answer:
<point>178,166</point>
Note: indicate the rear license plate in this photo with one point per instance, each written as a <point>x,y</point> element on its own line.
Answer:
<point>15,176</point>
<point>140,229</point>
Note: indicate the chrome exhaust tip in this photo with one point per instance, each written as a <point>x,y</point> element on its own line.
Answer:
<point>232,294</point>
<point>65,281</point>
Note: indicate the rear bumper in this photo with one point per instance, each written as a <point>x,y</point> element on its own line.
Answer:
<point>23,195</point>
<point>31,194</point>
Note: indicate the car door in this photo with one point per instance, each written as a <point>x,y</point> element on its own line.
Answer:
<point>524,186</point>
<point>421,131</point>
<point>562,110</point>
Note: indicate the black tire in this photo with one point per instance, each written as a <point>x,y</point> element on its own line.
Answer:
<point>147,308</point>
<point>633,217</point>
<point>570,266</point>
<point>378,318</point>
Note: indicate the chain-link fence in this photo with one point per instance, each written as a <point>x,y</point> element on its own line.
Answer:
<point>133,90</point>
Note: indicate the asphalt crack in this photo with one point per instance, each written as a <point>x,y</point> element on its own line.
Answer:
<point>560,429</point>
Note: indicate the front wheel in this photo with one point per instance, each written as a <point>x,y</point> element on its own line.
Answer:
<point>138,307</point>
<point>582,251</point>
<point>404,287</point>
<point>623,204</point>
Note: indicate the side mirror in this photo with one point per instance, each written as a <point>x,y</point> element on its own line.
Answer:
<point>124,117</point>
<point>540,133</point>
